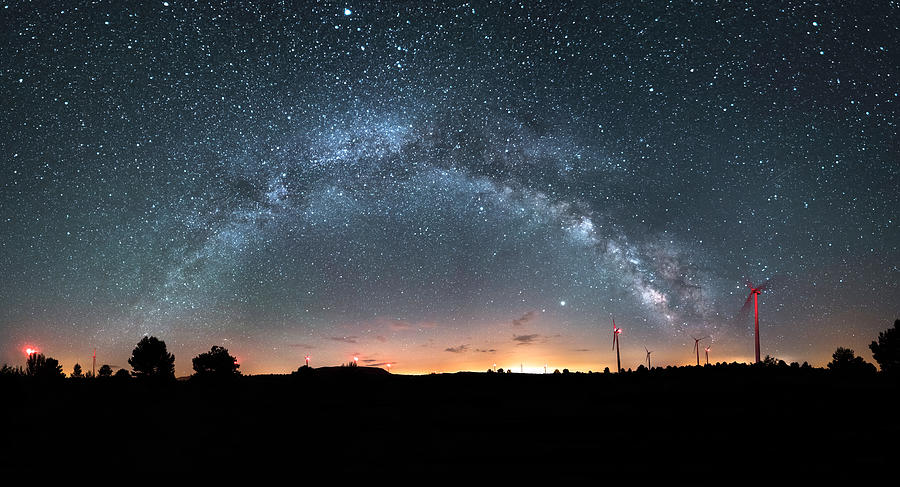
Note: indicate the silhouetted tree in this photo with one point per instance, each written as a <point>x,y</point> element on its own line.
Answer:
<point>104,371</point>
<point>8,371</point>
<point>216,363</point>
<point>500,370</point>
<point>769,361</point>
<point>844,361</point>
<point>43,367</point>
<point>76,372</point>
<point>886,350</point>
<point>122,374</point>
<point>151,359</point>
<point>555,372</point>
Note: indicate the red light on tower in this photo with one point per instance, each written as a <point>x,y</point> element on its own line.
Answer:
<point>307,360</point>
<point>389,368</point>
<point>356,361</point>
<point>616,332</point>
<point>30,350</point>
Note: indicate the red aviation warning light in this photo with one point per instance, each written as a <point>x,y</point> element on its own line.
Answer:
<point>616,332</point>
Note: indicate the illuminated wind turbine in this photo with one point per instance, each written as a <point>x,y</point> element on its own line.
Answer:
<point>307,361</point>
<point>697,347</point>
<point>389,368</point>
<point>616,331</point>
<point>707,355</point>
<point>754,293</point>
<point>648,357</point>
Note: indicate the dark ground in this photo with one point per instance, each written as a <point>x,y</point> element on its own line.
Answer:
<point>696,421</point>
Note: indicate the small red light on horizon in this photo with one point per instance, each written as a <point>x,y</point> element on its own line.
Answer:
<point>29,350</point>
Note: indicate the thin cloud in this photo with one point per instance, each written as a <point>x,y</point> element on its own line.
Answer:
<point>523,319</point>
<point>400,325</point>
<point>345,339</point>
<point>526,339</point>
<point>490,350</point>
<point>381,338</point>
<point>460,349</point>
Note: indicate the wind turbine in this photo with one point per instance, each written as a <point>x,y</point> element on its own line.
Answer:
<point>307,361</point>
<point>616,331</point>
<point>754,294</point>
<point>648,357</point>
<point>697,347</point>
<point>707,355</point>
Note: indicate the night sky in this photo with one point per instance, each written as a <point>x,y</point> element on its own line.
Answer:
<point>447,187</point>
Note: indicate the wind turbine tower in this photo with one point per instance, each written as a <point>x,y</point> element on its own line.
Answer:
<point>616,331</point>
<point>754,294</point>
<point>697,347</point>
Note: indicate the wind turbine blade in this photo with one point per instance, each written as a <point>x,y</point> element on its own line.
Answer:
<point>764,285</point>
<point>746,307</point>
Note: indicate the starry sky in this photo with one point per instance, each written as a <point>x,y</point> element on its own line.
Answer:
<point>446,187</point>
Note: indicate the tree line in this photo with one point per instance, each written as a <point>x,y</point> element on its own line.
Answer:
<point>151,360</point>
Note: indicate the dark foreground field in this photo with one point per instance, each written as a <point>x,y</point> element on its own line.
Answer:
<point>693,421</point>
